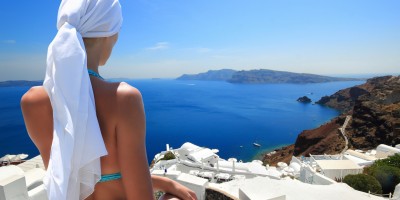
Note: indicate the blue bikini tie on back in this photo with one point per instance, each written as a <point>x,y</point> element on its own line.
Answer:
<point>110,177</point>
<point>93,73</point>
<point>105,177</point>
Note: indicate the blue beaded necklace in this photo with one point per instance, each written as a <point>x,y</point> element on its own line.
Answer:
<point>93,73</point>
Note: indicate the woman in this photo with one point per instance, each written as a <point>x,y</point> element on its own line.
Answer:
<point>79,124</point>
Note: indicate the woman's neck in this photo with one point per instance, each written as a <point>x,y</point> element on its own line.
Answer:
<point>93,60</point>
<point>93,48</point>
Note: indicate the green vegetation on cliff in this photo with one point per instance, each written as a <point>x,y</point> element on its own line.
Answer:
<point>387,172</point>
<point>168,156</point>
<point>364,183</point>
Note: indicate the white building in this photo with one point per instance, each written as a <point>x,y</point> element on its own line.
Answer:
<point>261,188</point>
<point>326,169</point>
<point>338,169</point>
<point>23,181</point>
<point>197,154</point>
<point>200,168</point>
<point>383,151</point>
<point>362,159</point>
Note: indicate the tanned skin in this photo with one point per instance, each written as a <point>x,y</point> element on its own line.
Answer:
<point>121,117</point>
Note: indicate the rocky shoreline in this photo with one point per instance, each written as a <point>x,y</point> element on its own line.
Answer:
<point>375,111</point>
<point>283,154</point>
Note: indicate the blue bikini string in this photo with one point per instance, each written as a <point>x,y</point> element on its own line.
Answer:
<point>105,177</point>
<point>110,177</point>
<point>93,73</point>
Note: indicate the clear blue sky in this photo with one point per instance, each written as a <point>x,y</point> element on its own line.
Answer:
<point>166,38</point>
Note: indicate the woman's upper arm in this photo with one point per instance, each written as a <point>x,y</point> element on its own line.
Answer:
<point>38,117</point>
<point>131,133</point>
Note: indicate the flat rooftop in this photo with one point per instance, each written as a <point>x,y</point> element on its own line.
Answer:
<point>35,162</point>
<point>337,164</point>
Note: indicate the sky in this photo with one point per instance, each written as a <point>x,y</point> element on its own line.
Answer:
<point>168,38</point>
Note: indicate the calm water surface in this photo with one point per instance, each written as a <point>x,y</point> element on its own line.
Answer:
<point>228,117</point>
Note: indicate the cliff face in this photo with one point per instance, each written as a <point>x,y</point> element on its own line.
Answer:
<point>325,139</point>
<point>375,111</point>
<point>283,154</point>
<point>344,100</point>
<point>376,115</point>
<point>374,108</point>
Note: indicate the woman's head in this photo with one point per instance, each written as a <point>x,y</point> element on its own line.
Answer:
<point>98,22</point>
<point>91,18</point>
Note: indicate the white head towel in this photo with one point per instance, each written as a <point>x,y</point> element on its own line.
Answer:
<point>74,166</point>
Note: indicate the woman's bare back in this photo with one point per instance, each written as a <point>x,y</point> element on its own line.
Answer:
<point>124,138</point>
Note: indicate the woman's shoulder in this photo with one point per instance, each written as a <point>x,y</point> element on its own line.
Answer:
<point>116,92</point>
<point>35,96</point>
<point>127,93</point>
<point>122,96</point>
<point>130,108</point>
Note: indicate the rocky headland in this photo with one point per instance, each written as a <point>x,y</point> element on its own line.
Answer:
<point>374,108</point>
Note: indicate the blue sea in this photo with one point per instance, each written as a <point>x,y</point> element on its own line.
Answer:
<point>214,114</point>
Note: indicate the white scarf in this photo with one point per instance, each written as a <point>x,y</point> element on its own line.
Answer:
<point>74,166</point>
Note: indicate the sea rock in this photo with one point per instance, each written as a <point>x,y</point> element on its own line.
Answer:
<point>304,99</point>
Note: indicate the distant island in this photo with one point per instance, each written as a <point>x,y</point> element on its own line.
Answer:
<point>211,75</point>
<point>261,76</point>
<point>20,83</point>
